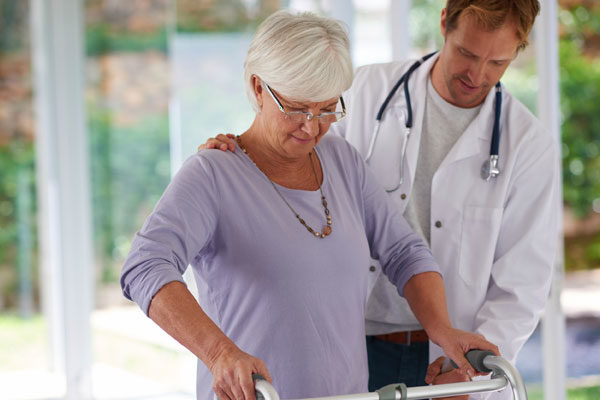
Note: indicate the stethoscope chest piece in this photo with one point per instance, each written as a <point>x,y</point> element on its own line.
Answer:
<point>490,169</point>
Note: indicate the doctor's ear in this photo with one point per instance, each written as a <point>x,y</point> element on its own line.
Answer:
<point>258,89</point>
<point>443,20</point>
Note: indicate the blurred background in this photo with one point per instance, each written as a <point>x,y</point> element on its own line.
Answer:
<point>160,77</point>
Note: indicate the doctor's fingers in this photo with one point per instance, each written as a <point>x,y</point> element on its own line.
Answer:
<point>468,341</point>
<point>221,142</point>
<point>434,369</point>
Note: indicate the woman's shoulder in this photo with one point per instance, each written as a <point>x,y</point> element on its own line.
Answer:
<point>343,155</point>
<point>338,145</point>
<point>209,163</point>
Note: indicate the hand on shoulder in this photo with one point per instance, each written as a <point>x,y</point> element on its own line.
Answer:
<point>222,142</point>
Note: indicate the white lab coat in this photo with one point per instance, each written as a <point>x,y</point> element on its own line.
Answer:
<point>497,241</point>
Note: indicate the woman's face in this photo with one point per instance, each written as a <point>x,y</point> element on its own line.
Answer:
<point>291,139</point>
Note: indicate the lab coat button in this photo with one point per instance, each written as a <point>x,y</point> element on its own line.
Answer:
<point>372,268</point>
<point>438,224</point>
<point>403,196</point>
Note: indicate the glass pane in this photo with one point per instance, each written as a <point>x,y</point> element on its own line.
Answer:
<point>580,95</point>
<point>23,340</point>
<point>371,32</point>
<point>207,49</point>
<point>127,108</point>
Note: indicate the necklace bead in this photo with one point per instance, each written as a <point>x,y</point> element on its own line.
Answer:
<point>327,229</point>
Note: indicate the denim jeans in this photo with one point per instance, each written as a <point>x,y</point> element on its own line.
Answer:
<point>396,363</point>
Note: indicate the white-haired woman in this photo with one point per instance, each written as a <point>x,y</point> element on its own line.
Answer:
<point>279,236</point>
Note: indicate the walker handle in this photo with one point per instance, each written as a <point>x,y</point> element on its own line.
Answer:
<point>475,358</point>
<point>263,389</point>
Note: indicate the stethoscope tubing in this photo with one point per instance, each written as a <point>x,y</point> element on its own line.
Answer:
<point>492,171</point>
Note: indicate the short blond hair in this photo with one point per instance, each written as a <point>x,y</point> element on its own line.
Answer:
<point>304,57</point>
<point>492,14</point>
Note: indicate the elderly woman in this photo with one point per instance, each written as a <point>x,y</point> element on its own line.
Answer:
<point>279,235</point>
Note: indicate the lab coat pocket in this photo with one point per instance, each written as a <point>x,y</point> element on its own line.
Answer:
<point>480,229</point>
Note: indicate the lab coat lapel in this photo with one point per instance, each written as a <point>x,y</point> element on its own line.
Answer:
<point>477,137</point>
<point>417,86</point>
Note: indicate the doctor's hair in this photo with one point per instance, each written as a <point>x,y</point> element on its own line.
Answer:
<point>492,14</point>
<point>304,57</point>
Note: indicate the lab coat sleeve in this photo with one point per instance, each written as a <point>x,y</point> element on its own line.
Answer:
<point>401,253</point>
<point>175,232</point>
<point>526,249</point>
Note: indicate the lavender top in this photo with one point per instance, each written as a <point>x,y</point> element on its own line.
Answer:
<point>281,294</point>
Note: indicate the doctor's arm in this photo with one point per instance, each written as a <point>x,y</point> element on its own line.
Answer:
<point>525,253</point>
<point>407,262</point>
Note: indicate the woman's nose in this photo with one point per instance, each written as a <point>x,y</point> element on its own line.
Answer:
<point>311,126</point>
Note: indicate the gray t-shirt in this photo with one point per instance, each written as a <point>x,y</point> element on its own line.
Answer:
<point>281,294</point>
<point>443,124</point>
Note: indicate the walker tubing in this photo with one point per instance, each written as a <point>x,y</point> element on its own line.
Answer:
<point>504,375</point>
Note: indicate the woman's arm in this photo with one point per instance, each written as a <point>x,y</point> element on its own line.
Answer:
<point>176,311</point>
<point>180,227</point>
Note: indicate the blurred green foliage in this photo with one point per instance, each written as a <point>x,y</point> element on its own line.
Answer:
<point>580,99</point>
<point>13,25</point>
<point>17,171</point>
<point>101,38</point>
<point>130,168</point>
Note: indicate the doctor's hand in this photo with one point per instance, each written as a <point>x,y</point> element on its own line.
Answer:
<point>232,371</point>
<point>437,374</point>
<point>221,142</point>
<point>457,343</point>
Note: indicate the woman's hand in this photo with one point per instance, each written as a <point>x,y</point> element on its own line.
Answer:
<point>221,142</point>
<point>232,371</point>
<point>457,343</point>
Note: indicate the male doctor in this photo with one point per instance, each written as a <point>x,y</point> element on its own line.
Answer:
<point>495,239</point>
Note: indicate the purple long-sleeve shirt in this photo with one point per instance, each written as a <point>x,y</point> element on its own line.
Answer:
<point>293,300</point>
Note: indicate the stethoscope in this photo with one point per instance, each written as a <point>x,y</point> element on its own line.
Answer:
<point>489,169</point>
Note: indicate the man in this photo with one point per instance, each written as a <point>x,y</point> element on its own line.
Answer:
<point>495,239</point>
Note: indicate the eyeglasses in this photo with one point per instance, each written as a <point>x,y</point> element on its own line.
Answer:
<point>300,117</point>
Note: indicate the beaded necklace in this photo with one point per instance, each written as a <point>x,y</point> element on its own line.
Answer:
<point>327,229</point>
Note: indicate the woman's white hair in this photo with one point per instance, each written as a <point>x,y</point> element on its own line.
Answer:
<point>304,57</point>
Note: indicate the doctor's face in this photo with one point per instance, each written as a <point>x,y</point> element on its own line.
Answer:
<point>472,60</point>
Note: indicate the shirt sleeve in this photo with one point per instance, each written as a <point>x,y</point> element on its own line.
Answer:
<point>180,226</point>
<point>401,252</point>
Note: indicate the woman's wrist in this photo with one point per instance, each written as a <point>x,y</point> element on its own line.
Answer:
<point>220,349</point>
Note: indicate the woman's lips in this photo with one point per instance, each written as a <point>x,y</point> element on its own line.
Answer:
<point>303,141</point>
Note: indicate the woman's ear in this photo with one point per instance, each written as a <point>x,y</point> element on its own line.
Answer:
<point>258,90</point>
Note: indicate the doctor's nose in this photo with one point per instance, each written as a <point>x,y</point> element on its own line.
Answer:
<point>476,73</point>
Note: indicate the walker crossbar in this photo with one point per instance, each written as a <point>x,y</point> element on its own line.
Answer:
<point>504,374</point>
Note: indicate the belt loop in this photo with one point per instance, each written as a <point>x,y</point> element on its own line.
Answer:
<point>408,338</point>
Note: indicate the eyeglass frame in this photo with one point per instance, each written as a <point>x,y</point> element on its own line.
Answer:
<point>309,115</point>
